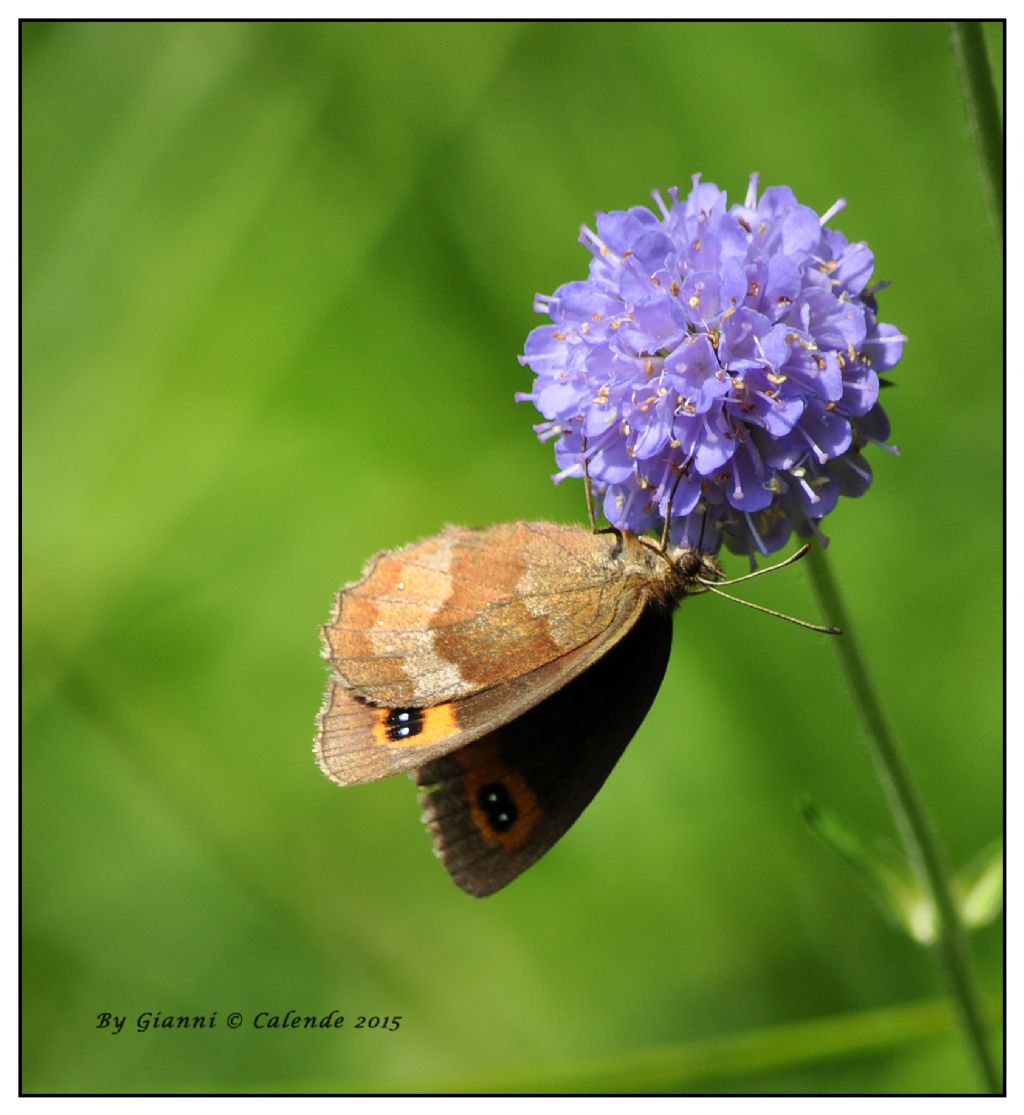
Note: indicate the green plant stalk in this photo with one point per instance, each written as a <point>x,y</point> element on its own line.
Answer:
<point>982,109</point>
<point>917,832</point>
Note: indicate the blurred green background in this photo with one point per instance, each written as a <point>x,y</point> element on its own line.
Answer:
<point>276,277</point>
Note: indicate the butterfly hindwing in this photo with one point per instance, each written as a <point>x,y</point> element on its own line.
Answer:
<point>497,805</point>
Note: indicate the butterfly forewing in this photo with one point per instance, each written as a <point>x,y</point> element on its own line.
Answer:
<point>358,742</point>
<point>468,610</point>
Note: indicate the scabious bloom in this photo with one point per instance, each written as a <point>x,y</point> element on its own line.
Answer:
<point>717,367</point>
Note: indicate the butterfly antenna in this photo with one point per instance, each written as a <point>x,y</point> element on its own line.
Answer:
<point>709,587</point>
<point>588,488</point>
<point>802,552</point>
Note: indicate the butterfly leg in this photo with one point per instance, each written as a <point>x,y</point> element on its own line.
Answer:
<point>588,488</point>
<point>668,512</point>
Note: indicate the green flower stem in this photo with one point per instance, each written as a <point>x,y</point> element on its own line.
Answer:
<point>982,109</point>
<point>919,837</point>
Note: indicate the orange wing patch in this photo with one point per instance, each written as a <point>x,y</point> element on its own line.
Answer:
<point>503,807</point>
<point>415,727</point>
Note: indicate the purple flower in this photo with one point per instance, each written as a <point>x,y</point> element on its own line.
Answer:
<point>719,367</point>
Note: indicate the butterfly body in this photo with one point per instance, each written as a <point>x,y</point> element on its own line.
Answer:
<point>508,668</point>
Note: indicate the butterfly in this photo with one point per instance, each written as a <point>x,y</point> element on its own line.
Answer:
<point>507,668</point>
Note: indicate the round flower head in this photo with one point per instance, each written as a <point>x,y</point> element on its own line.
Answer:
<point>718,367</point>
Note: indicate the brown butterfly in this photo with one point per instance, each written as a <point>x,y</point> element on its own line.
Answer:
<point>507,668</point>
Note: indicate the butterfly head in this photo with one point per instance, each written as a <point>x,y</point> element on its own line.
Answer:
<point>674,573</point>
<point>691,568</point>
<point>694,566</point>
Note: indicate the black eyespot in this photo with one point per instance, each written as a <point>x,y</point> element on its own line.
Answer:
<point>401,723</point>
<point>498,806</point>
